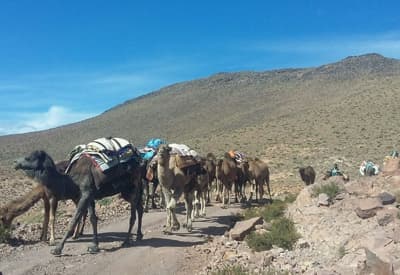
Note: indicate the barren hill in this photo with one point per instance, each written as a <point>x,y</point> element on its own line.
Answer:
<point>341,112</point>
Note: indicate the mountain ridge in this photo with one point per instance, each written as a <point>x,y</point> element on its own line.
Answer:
<point>289,116</point>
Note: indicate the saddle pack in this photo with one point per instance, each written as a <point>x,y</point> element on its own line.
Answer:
<point>105,152</point>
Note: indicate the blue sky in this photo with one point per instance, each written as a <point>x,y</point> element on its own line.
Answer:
<point>64,61</point>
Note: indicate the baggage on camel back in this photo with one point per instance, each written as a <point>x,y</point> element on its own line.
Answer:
<point>105,153</point>
<point>148,152</point>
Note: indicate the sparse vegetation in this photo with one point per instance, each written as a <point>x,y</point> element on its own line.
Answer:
<point>283,234</point>
<point>5,233</point>
<point>268,212</point>
<point>341,251</point>
<point>331,189</point>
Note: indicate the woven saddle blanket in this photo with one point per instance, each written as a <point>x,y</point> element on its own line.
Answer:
<point>105,152</point>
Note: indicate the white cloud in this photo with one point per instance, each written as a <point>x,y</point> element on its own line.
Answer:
<point>54,117</point>
<point>386,44</point>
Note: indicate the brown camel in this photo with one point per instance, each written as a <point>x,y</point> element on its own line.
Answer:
<point>210,164</point>
<point>22,204</point>
<point>174,182</point>
<point>259,172</point>
<point>227,174</point>
<point>307,175</point>
<point>201,191</point>
<point>93,184</point>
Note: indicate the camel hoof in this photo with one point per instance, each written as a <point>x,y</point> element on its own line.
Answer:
<point>167,232</point>
<point>184,225</point>
<point>56,251</point>
<point>127,243</point>
<point>52,242</point>
<point>189,229</point>
<point>139,237</point>
<point>93,249</point>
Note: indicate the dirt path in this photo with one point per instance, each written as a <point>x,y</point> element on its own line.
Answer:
<point>155,254</point>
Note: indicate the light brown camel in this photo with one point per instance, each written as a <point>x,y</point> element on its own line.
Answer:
<point>227,174</point>
<point>259,172</point>
<point>218,182</point>
<point>21,205</point>
<point>174,182</point>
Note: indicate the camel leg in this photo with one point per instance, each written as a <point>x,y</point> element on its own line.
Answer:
<point>81,208</point>
<point>53,209</point>
<point>223,194</point>
<point>261,189</point>
<point>146,192</point>
<point>189,208</point>
<point>153,194</point>
<point>196,211</point>
<point>94,246</point>
<point>140,210</point>
<point>167,196</point>
<point>203,203</point>
<point>43,236</point>
<point>172,206</point>
<point>269,191</point>
<point>80,226</point>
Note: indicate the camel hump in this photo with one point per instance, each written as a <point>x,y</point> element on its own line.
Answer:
<point>185,161</point>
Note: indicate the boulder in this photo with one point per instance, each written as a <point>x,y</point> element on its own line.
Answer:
<point>242,228</point>
<point>367,208</point>
<point>386,198</point>
<point>323,199</point>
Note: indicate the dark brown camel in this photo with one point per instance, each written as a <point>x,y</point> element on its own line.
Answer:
<point>92,184</point>
<point>54,186</point>
<point>307,175</point>
<point>259,172</point>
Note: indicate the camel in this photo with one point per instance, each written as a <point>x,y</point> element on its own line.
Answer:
<point>210,163</point>
<point>243,177</point>
<point>200,192</point>
<point>218,182</point>
<point>92,184</point>
<point>307,175</point>
<point>227,174</point>
<point>22,204</point>
<point>52,189</point>
<point>259,172</point>
<point>174,182</point>
<point>150,170</point>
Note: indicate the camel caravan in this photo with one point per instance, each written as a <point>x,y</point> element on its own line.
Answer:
<point>108,166</point>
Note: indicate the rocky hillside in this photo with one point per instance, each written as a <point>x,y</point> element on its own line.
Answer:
<point>354,232</point>
<point>342,112</point>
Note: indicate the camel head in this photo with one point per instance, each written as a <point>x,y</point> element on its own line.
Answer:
<point>36,162</point>
<point>164,150</point>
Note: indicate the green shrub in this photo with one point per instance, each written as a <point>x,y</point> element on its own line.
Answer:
<point>268,212</point>
<point>231,270</point>
<point>283,234</point>
<point>331,189</point>
<point>259,242</point>
<point>5,234</point>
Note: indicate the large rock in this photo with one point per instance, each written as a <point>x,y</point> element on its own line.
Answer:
<point>367,208</point>
<point>387,198</point>
<point>241,229</point>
